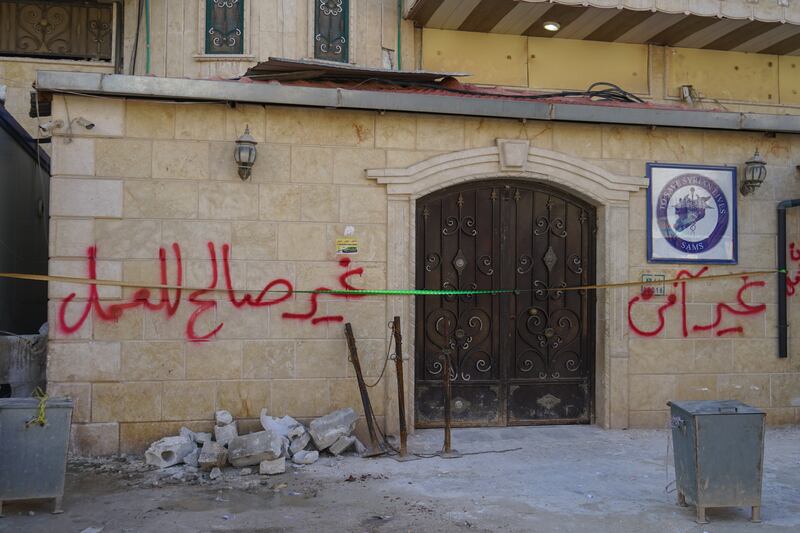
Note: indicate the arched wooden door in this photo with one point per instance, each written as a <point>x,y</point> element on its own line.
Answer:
<point>524,357</point>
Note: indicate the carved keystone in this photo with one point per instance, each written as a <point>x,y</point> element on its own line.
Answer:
<point>513,153</point>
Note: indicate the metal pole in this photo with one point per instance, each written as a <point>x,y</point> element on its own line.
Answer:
<point>447,452</point>
<point>783,318</point>
<point>401,401</point>
<point>375,445</point>
<point>447,399</point>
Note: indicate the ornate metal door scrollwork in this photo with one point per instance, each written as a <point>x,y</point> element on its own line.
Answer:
<point>463,337</point>
<point>516,357</point>
<point>62,30</point>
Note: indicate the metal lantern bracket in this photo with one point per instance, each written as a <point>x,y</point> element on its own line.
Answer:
<point>245,153</point>
<point>755,172</point>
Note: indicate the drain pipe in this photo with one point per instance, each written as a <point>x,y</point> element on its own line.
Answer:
<point>783,323</point>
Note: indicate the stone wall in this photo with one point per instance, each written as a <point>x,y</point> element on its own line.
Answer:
<point>151,174</point>
<point>18,75</point>
<point>273,28</point>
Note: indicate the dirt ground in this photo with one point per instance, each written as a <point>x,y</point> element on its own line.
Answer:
<point>562,478</point>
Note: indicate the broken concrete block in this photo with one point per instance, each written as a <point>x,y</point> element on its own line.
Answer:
<point>341,445</point>
<point>168,451</point>
<point>245,471</point>
<point>192,457</point>
<point>325,430</point>
<point>196,436</point>
<point>297,431</point>
<point>212,454</point>
<point>285,447</point>
<point>281,426</point>
<point>270,468</point>
<point>305,457</point>
<point>224,434</point>
<point>215,473</point>
<point>360,448</point>
<point>299,443</point>
<point>253,448</point>
<point>223,418</point>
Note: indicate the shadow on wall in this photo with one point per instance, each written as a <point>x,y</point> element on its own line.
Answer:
<point>23,363</point>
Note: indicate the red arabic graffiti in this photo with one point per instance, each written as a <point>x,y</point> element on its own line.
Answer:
<point>721,310</point>
<point>793,281</point>
<point>274,292</point>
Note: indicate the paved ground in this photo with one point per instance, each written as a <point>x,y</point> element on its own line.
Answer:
<point>565,478</point>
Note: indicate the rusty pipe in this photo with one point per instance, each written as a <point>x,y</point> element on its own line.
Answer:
<point>375,446</point>
<point>401,401</point>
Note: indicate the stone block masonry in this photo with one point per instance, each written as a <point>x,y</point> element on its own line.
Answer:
<point>156,199</point>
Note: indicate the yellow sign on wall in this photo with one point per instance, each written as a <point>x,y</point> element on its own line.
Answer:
<point>346,246</point>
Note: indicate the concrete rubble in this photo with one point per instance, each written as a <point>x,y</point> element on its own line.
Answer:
<point>223,418</point>
<point>253,448</point>
<point>305,457</point>
<point>192,458</point>
<point>342,444</point>
<point>212,454</point>
<point>169,451</point>
<point>194,455</point>
<point>327,429</point>
<point>225,434</point>
<point>270,468</point>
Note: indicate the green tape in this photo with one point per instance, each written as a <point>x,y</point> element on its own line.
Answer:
<point>411,292</point>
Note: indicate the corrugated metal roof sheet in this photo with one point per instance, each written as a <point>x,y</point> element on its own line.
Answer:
<point>277,68</point>
<point>330,75</point>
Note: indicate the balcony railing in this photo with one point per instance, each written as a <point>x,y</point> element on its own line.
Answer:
<point>82,30</point>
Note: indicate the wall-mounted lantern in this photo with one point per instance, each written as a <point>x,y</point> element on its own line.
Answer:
<point>245,153</point>
<point>755,172</point>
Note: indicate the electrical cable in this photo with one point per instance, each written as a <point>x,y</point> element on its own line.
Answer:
<point>612,92</point>
<point>136,38</point>
<point>385,361</point>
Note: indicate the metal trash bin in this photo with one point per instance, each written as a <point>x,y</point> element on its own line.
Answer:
<point>33,458</point>
<point>719,455</point>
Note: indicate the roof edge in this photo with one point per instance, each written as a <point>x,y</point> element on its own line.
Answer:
<point>150,87</point>
<point>28,144</point>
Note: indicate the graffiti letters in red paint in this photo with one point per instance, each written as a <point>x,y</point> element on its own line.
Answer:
<point>274,292</point>
<point>793,280</point>
<point>678,298</point>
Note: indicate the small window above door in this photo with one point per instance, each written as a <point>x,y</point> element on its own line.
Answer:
<point>331,30</point>
<point>224,27</point>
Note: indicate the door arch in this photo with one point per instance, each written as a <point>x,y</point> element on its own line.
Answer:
<point>608,191</point>
<point>524,357</point>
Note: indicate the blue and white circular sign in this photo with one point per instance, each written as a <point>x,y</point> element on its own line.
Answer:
<point>692,213</point>
<point>692,216</point>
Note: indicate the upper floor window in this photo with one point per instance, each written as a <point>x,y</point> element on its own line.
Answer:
<point>224,26</point>
<point>331,38</point>
<point>58,30</point>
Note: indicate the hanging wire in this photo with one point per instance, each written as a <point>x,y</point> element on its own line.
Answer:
<point>599,91</point>
<point>386,360</point>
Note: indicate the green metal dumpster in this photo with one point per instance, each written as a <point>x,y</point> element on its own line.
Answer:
<point>719,454</point>
<point>33,457</point>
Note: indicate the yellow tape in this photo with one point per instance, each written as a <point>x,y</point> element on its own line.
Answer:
<point>113,283</point>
